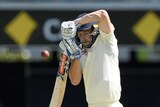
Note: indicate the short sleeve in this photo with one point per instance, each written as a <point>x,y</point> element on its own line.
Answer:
<point>110,37</point>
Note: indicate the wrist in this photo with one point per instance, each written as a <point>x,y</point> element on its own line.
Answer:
<point>75,60</point>
<point>77,22</point>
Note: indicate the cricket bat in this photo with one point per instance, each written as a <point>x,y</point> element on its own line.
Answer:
<point>60,83</point>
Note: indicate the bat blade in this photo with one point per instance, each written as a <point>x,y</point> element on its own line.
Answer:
<point>60,84</point>
<point>58,93</point>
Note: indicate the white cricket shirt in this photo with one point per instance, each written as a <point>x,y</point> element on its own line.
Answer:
<point>101,70</point>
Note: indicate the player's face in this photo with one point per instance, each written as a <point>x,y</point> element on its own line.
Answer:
<point>85,37</point>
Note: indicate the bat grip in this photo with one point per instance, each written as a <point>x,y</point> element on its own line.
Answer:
<point>62,64</point>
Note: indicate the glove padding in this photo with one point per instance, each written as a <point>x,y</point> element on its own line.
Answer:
<point>71,49</point>
<point>68,29</point>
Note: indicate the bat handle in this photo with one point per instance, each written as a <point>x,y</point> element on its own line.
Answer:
<point>62,64</point>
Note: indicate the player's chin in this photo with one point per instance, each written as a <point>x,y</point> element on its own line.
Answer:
<point>87,45</point>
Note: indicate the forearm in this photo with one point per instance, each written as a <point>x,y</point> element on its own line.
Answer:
<point>91,17</point>
<point>75,73</point>
<point>100,16</point>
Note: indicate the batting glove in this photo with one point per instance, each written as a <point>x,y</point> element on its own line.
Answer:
<point>68,29</point>
<point>70,49</point>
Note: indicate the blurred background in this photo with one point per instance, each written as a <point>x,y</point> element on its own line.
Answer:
<point>29,26</point>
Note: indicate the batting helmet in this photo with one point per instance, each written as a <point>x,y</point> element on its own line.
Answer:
<point>92,25</point>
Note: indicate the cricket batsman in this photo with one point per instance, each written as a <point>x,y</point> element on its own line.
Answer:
<point>90,42</point>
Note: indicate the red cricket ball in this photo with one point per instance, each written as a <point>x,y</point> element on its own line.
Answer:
<point>45,54</point>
